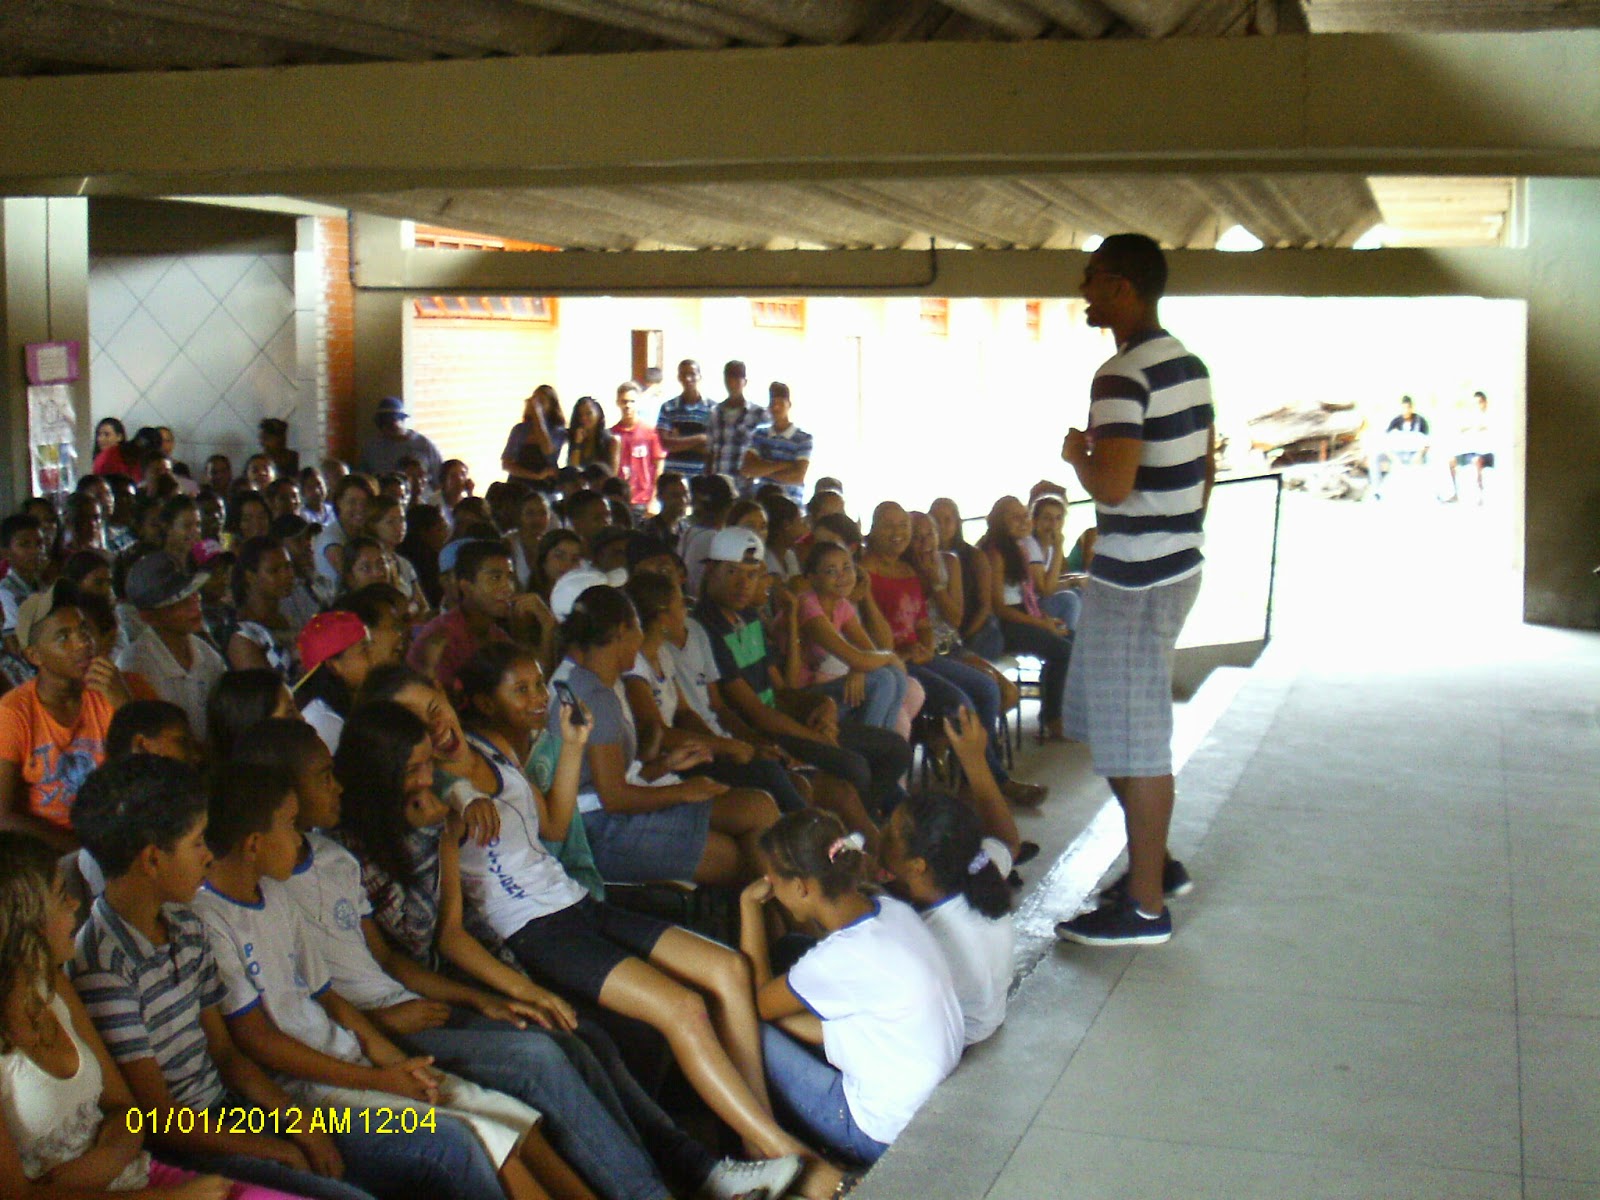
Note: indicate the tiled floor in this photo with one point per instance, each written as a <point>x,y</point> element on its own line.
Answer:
<point>1387,983</point>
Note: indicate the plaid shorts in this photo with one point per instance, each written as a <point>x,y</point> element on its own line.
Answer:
<point>1119,685</point>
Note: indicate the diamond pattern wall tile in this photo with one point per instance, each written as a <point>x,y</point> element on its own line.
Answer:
<point>142,349</point>
<point>141,413</point>
<point>219,424</point>
<point>284,351</point>
<point>180,303</point>
<point>283,266</point>
<point>261,389</point>
<point>260,303</point>
<point>110,304</point>
<point>114,393</point>
<point>141,272</point>
<point>180,392</point>
<point>221,350</point>
<point>221,272</point>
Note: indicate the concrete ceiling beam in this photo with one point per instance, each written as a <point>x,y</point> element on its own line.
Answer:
<point>701,15</point>
<point>619,15</point>
<point>1009,16</point>
<point>1490,104</point>
<point>52,31</point>
<point>827,21</point>
<point>995,273</point>
<point>372,28</point>
<point>1086,18</point>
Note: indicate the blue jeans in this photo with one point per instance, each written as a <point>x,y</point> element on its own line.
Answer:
<point>530,1065</point>
<point>952,684</point>
<point>450,1163</point>
<point>1065,606</point>
<point>812,1093</point>
<point>264,1171</point>
<point>1054,650</point>
<point>988,642</point>
<point>885,695</point>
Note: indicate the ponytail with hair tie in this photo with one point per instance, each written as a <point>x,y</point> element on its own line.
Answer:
<point>850,841</point>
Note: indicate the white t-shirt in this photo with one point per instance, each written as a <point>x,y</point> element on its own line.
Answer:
<point>514,879</point>
<point>890,1019</point>
<point>326,888</point>
<point>696,669</point>
<point>979,952</point>
<point>265,956</point>
<point>663,686</point>
<point>190,689</point>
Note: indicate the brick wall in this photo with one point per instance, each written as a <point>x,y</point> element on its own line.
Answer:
<point>336,329</point>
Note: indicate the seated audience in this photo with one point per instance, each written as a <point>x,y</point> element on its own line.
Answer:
<point>978,626</point>
<point>489,610</point>
<point>240,702</point>
<point>533,522</point>
<point>263,632</point>
<point>875,995</point>
<point>838,658</point>
<point>151,727</point>
<point>1023,624</point>
<point>336,655</point>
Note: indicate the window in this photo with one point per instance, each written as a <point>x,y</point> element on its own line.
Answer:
<point>539,310</point>
<point>778,314</point>
<point>431,237</point>
<point>936,317</point>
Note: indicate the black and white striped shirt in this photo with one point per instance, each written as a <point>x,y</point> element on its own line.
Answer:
<point>1155,391</point>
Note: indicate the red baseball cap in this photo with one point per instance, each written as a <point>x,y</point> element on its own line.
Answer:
<point>325,636</point>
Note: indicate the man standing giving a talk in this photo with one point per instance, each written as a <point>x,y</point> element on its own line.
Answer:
<point>1148,460</point>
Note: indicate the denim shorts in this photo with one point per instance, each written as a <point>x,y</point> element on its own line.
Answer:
<point>575,949</point>
<point>649,847</point>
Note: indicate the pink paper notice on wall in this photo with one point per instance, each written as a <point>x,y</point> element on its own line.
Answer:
<point>52,362</point>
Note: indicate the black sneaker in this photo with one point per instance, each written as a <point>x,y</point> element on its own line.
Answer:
<point>1175,882</point>
<point>1119,923</point>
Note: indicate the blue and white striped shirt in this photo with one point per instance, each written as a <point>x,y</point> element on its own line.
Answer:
<point>146,999</point>
<point>792,445</point>
<point>1155,391</point>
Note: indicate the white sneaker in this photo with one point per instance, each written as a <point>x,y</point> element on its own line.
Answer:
<point>760,1179</point>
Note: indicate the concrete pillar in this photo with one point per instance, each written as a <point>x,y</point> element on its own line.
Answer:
<point>1563,446</point>
<point>380,321</point>
<point>44,297</point>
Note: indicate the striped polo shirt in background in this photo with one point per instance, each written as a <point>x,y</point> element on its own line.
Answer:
<point>146,999</point>
<point>1153,390</point>
<point>792,445</point>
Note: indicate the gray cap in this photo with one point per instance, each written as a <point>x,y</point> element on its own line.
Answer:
<point>157,581</point>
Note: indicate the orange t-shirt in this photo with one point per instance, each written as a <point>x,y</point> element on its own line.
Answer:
<point>54,759</point>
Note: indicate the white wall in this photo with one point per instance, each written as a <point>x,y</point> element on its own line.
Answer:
<point>200,337</point>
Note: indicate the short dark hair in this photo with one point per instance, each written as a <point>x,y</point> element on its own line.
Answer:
<point>473,554</point>
<point>140,718</point>
<point>283,742</point>
<point>369,601</point>
<point>17,522</point>
<point>1138,259</point>
<point>583,500</point>
<point>776,389</point>
<point>733,367</point>
<point>135,802</point>
<point>669,477</point>
<point>243,798</point>
<point>239,701</point>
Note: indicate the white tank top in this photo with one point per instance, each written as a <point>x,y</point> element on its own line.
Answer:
<point>52,1120</point>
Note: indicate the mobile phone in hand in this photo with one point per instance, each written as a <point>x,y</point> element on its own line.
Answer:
<point>565,696</point>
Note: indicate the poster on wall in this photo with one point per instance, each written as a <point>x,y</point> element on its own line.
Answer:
<point>52,368</point>
<point>52,438</point>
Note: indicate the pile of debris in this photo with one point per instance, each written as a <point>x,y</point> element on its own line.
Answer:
<point>1317,447</point>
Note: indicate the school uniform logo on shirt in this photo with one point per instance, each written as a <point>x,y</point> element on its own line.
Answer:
<point>344,915</point>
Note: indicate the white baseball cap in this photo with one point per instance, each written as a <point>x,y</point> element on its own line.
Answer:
<point>737,544</point>
<point>570,586</point>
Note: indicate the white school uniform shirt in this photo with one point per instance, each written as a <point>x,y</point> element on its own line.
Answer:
<point>189,690</point>
<point>265,956</point>
<point>891,1022</point>
<point>695,665</point>
<point>664,687</point>
<point>514,879</point>
<point>326,888</point>
<point>979,952</point>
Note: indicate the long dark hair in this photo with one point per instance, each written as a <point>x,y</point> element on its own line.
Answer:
<point>807,845</point>
<point>421,520</point>
<point>370,765</point>
<point>281,742</point>
<point>996,538</point>
<point>945,834</point>
<point>240,701</point>
<point>242,499</point>
<point>550,539</point>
